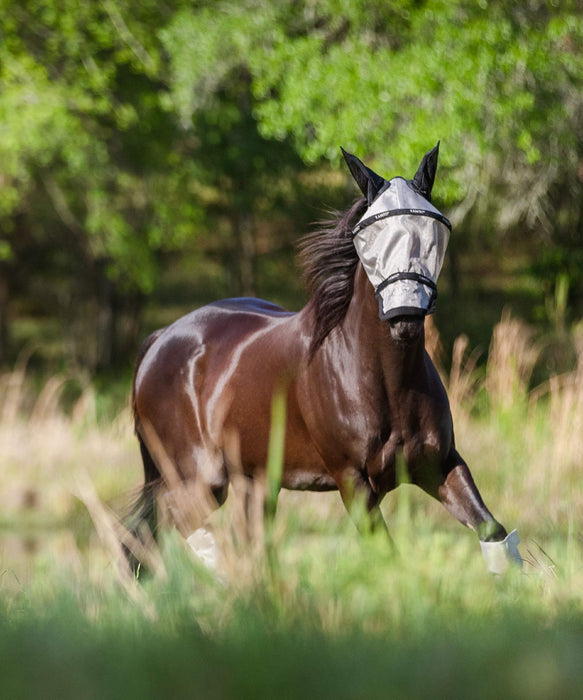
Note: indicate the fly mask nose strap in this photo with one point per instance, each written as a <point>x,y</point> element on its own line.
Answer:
<point>417,277</point>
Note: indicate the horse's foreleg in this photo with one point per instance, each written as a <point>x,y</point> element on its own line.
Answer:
<point>460,496</point>
<point>458,493</point>
<point>259,509</point>
<point>361,502</point>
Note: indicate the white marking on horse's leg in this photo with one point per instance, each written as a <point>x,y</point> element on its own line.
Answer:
<point>203,544</point>
<point>499,556</point>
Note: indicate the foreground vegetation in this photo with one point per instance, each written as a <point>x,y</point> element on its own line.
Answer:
<point>327,612</point>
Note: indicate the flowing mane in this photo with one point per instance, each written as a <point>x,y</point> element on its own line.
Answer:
<point>328,259</point>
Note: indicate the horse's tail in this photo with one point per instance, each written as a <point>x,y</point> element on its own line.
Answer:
<point>143,516</point>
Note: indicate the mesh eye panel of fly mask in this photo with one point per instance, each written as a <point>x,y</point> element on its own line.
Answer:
<point>401,241</point>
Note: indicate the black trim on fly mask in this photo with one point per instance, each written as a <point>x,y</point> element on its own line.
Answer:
<point>407,310</point>
<point>411,311</point>
<point>400,212</point>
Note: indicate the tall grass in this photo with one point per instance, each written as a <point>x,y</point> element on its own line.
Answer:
<point>329,612</point>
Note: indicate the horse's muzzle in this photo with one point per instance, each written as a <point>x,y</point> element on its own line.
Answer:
<point>406,329</point>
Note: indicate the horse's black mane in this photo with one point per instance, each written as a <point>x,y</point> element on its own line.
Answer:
<point>328,258</point>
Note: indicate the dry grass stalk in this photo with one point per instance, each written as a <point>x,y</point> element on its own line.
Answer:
<point>558,447</point>
<point>238,530</point>
<point>511,359</point>
<point>47,404</point>
<point>44,448</point>
<point>566,421</point>
<point>463,380</point>
<point>51,457</point>
<point>12,386</point>
<point>108,529</point>
<point>188,501</point>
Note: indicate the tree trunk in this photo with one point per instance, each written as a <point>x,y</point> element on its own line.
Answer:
<point>244,255</point>
<point>118,323</point>
<point>105,321</point>
<point>4,317</point>
<point>127,328</point>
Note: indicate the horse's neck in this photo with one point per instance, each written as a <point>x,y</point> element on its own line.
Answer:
<point>399,365</point>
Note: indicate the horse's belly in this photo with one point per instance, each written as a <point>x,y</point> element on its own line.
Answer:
<point>303,467</point>
<point>302,480</point>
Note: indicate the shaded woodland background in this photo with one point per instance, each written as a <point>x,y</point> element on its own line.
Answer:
<point>155,156</point>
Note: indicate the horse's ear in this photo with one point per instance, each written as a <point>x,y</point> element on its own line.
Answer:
<point>369,182</point>
<point>425,175</point>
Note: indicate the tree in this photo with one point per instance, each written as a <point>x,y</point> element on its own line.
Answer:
<point>129,129</point>
<point>100,174</point>
<point>94,173</point>
<point>499,83</point>
<point>210,91</point>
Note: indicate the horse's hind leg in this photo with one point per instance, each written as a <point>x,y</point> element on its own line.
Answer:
<point>189,486</point>
<point>196,485</point>
<point>201,539</point>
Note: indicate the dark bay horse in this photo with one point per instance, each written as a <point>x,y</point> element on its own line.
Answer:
<point>361,389</point>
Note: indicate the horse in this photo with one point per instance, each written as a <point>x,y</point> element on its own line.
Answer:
<point>361,392</point>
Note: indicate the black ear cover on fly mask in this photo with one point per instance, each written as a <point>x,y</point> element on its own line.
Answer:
<point>425,175</point>
<point>369,182</point>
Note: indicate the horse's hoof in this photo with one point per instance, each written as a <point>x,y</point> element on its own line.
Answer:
<point>499,556</point>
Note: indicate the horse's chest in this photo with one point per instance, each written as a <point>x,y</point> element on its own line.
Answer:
<point>413,451</point>
<point>418,431</point>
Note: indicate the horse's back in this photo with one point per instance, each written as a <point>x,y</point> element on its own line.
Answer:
<point>238,311</point>
<point>248,305</point>
<point>219,322</point>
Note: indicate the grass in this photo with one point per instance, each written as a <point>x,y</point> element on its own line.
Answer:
<point>332,613</point>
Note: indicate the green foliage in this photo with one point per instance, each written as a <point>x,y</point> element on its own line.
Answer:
<point>130,132</point>
<point>487,78</point>
<point>340,621</point>
<point>82,126</point>
<point>276,449</point>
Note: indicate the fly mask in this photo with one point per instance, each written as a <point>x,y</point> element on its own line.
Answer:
<point>401,238</point>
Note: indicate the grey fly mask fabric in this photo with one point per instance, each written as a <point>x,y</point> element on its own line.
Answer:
<point>401,241</point>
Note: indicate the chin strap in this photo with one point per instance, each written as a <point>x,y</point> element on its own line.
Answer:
<point>499,556</point>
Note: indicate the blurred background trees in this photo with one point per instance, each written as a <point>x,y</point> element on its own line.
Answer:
<point>154,156</point>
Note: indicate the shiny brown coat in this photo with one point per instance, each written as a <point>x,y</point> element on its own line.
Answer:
<point>360,393</point>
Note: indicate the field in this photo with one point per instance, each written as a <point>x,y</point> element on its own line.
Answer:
<point>311,609</point>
